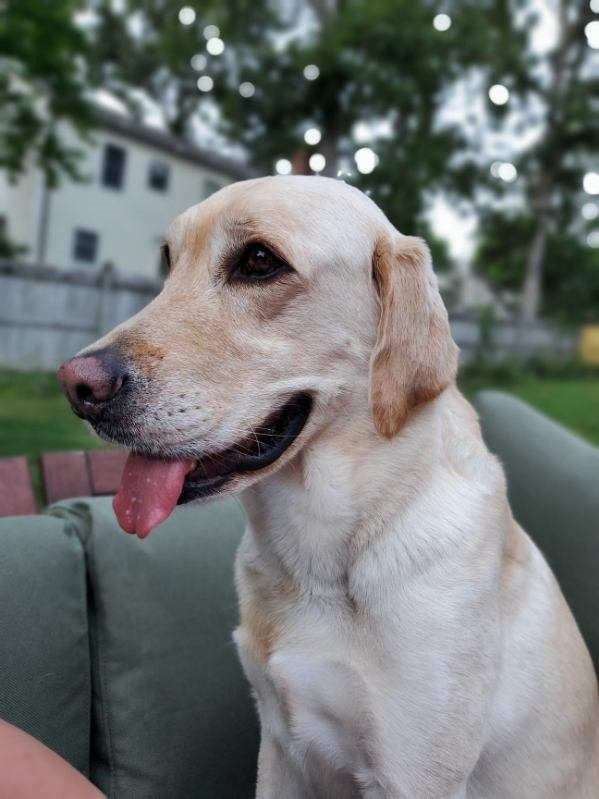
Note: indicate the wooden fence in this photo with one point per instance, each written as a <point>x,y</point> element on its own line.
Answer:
<point>47,315</point>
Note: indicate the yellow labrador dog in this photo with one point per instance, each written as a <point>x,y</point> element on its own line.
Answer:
<point>403,636</point>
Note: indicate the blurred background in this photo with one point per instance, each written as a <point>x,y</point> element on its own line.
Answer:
<point>470,122</point>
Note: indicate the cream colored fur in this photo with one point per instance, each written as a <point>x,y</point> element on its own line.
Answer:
<point>403,636</point>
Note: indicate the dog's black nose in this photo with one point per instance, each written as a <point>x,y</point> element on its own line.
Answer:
<point>92,380</point>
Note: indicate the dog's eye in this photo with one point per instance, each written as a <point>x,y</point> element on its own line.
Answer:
<point>258,263</point>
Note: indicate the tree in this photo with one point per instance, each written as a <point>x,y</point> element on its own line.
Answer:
<point>376,61</point>
<point>551,90</point>
<point>381,62</point>
<point>41,85</point>
<point>571,268</point>
<point>142,46</point>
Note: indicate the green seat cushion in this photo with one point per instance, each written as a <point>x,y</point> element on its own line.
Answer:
<point>173,716</point>
<point>553,481</point>
<point>45,685</point>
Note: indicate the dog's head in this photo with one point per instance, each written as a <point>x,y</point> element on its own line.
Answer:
<point>289,300</point>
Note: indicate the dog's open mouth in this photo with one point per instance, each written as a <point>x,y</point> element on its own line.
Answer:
<point>151,487</point>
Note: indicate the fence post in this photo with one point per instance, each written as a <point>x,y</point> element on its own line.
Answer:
<point>105,286</point>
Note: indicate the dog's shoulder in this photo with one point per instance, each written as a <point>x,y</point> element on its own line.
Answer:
<point>320,708</point>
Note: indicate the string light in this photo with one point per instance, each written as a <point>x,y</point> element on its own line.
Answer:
<point>442,22</point>
<point>499,94</point>
<point>590,211</point>
<point>507,172</point>
<point>283,166</point>
<point>590,183</point>
<point>366,160</point>
<point>215,46</point>
<point>198,62</point>
<point>247,89</point>
<point>211,32</point>
<point>187,15</point>
<point>317,162</point>
<point>591,31</point>
<point>311,72</point>
<point>504,170</point>
<point>312,136</point>
<point>205,83</point>
<point>593,238</point>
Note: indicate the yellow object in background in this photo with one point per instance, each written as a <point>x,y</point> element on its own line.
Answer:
<point>589,344</point>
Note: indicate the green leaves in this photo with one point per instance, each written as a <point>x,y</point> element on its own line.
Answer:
<point>41,85</point>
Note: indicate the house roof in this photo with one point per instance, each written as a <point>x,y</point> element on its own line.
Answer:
<point>161,140</point>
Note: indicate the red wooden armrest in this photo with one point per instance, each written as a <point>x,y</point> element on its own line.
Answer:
<point>82,474</point>
<point>16,492</point>
<point>105,469</point>
<point>65,475</point>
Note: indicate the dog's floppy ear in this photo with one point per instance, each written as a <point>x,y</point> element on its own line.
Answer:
<point>414,357</point>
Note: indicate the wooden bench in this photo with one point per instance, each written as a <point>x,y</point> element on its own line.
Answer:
<point>64,475</point>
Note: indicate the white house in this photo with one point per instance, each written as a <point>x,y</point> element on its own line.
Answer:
<point>138,179</point>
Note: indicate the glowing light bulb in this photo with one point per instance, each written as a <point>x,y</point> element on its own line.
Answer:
<point>442,22</point>
<point>247,89</point>
<point>591,30</point>
<point>499,94</point>
<point>590,183</point>
<point>283,166</point>
<point>312,136</point>
<point>311,72</point>
<point>593,238</point>
<point>187,15</point>
<point>205,83</point>
<point>198,62</point>
<point>317,162</point>
<point>215,46</point>
<point>366,160</point>
<point>507,172</point>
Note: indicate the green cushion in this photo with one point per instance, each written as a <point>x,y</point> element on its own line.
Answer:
<point>553,479</point>
<point>45,685</point>
<point>173,715</point>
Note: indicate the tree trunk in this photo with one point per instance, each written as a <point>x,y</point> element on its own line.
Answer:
<point>564,63</point>
<point>531,291</point>
<point>330,149</point>
<point>299,162</point>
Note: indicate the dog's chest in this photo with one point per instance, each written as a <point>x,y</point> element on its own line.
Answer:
<point>318,709</point>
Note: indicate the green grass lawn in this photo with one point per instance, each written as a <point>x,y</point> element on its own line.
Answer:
<point>574,402</point>
<point>35,417</point>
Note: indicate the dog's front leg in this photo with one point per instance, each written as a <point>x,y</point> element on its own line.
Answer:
<point>277,776</point>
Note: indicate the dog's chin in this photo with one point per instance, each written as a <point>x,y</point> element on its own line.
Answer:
<point>255,456</point>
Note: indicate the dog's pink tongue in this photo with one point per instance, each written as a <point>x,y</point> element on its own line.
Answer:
<point>149,491</point>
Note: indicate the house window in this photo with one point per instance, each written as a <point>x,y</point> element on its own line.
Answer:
<point>210,186</point>
<point>163,265</point>
<point>158,175</point>
<point>85,245</point>
<point>113,168</point>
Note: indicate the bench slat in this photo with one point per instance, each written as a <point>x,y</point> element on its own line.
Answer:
<point>105,469</point>
<point>65,475</point>
<point>16,491</point>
